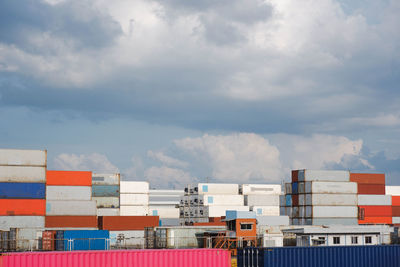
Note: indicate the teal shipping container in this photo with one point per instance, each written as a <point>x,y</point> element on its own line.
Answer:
<point>105,190</point>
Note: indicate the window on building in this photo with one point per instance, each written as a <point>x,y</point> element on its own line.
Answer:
<point>246,226</point>
<point>336,240</point>
<point>368,240</point>
<point>354,239</point>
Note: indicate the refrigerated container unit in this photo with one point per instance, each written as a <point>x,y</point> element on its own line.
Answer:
<point>164,212</point>
<point>217,189</point>
<point>133,210</point>
<point>261,200</point>
<point>219,200</point>
<point>260,189</point>
<point>265,210</point>
<point>71,207</point>
<point>106,178</point>
<point>64,193</point>
<point>323,175</point>
<point>135,187</point>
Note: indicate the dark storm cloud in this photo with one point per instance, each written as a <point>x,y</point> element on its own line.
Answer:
<point>74,22</point>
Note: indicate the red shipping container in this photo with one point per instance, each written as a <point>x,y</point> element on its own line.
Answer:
<point>73,178</point>
<point>295,176</point>
<point>371,189</point>
<point>22,207</point>
<point>376,220</point>
<point>48,240</point>
<point>124,223</point>
<point>121,258</point>
<point>295,200</point>
<point>368,178</point>
<point>395,211</point>
<point>376,211</point>
<point>395,200</point>
<point>210,224</point>
<point>71,221</point>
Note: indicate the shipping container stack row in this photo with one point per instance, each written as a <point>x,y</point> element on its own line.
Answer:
<point>134,198</point>
<point>263,199</point>
<point>394,191</point>
<point>321,198</point>
<point>106,191</point>
<point>165,204</point>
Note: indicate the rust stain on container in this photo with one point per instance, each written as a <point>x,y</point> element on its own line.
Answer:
<point>115,223</point>
<point>83,178</point>
<point>71,221</point>
<point>371,189</point>
<point>24,207</point>
<point>368,178</point>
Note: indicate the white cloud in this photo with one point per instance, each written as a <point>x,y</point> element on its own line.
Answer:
<point>166,177</point>
<point>167,160</point>
<point>90,162</point>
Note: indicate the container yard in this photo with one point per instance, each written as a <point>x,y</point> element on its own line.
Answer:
<point>77,211</point>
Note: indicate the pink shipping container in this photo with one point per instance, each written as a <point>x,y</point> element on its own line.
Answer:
<point>120,258</point>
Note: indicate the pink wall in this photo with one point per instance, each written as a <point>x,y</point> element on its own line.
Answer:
<point>120,258</point>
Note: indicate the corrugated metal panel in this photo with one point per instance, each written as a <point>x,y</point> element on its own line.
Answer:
<point>261,200</point>
<point>134,199</point>
<point>106,202</point>
<point>105,190</point>
<point>18,157</point>
<point>86,240</point>
<point>134,187</point>
<point>323,175</point>
<point>74,178</point>
<point>122,258</point>
<point>71,207</point>
<point>7,222</point>
<point>68,193</point>
<point>106,178</point>
<point>23,190</point>
<point>22,174</point>
<point>343,256</point>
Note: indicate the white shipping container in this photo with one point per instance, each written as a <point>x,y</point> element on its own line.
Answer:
<point>158,192</point>
<point>288,211</point>
<point>105,179</point>
<point>107,212</point>
<point>331,188</point>
<point>218,211</point>
<point>261,189</point>
<point>302,211</point>
<point>68,192</point>
<point>282,211</point>
<point>282,200</point>
<point>106,202</point>
<point>134,210</point>
<point>396,220</point>
<point>19,157</point>
<point>332,221</point>
<point>392,190</point>
<point>324,175</point>
<point>261,200</point>
<point>217,189</point>
<point>265,210</point>
<point>71,208</point>
<point>374,200</point>
<point>288,188</point>
<point>328,200</point>
<point>332,211</point>
<point>27,239</point>
<point>22,174</point>
<point>134,199</point>
<point>138,187</point>
<point>127,239</point>
<point>219,200</point>
<point>7,222</point>
<point>164,212</point>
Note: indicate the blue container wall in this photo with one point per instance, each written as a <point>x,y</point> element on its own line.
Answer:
<point>22,190</point>
<point>86,239</point>
<point>59,243</point>
<point>295,188</point>
<point>288,200</point>
<point>105,190</point>
<point>343,256</point>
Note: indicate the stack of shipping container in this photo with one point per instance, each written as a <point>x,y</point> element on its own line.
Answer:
<point>105,191</point>
<point>165,204</point>
<point>394,191</point>
<point>69,200</point>
<point>322,197</point>
<point>134,198</point>
<point>263,199</point>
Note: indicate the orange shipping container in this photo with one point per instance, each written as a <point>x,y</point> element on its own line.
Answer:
<point>376,211</point>
<point>124,223</point>
<point>376,220</point>
<point>74,178</point>
<point>71,221</point>
<point>395,200</point>
<point>371,189</point>
<point>22,207</point>
<point>368,178</point>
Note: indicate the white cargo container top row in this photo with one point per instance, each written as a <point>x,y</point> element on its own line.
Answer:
<point>19,157</point>
<point>330,187</point>
<point>134,187</point>
<point>22,174</point>
<point>260,189</point>
<point>134,199</point>
<point>374,200</point>
<point>217,189</point>
<point>68,192</point>
<point>392,190</point>
<point>323,175</point>
<point>106,179</point>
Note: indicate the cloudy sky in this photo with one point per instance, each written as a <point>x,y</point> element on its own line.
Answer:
<point>175,91</point>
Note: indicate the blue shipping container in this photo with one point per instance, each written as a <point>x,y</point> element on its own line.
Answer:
<point>22,190</point>
<point>105,190</point>
<point>86,239</point>
<point>295,188</point>
<point>59,242</point>
<point>340,256</point>
<point>288,200</point>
